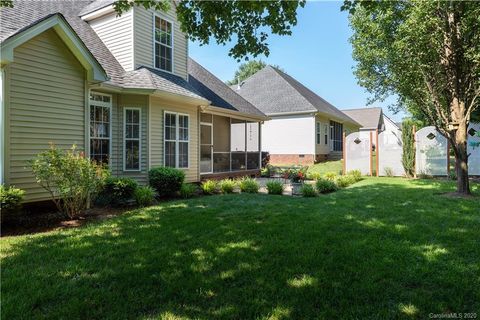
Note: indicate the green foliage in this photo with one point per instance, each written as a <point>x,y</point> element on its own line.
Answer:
<point>209,186</point>
<point>308,190</point>
<point>388,171</point>
<point>144,196</point>
<point>70,178</point>
<point>325,186</point>
<point>117,191</point>
<point>275,187</point>
<point>10,197</point>
<point>330,176</point>
<point>296,175</point>
<point>249,185</point>
<point>227,186</point>
<point>250,22</point>
<point>165,180</point>
<point>408,140</point>
<point>188,190</point>
<point>314,175</point>
<point>452,175</point>
<point>356,174</point>
<point>246,70</point>
<point>345,181</point>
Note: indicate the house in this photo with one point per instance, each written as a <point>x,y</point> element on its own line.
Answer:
<point>122,88</point>
<point>304,128</point>
<point>373,119</point>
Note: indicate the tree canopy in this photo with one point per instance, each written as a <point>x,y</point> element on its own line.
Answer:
<point>428,54</point>
<point>248,69</point>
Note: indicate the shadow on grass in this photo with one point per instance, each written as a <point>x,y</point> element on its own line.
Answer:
<point>383,250</point>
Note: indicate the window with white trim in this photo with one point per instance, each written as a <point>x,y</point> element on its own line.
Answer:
<point>318,133</point>
<point>100,115</point>
<point>163,44</point>
<point>176,130</point>
<point>326,133</point>
<point>131,140</point>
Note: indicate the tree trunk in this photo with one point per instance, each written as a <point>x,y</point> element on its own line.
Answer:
<point>459,145</point>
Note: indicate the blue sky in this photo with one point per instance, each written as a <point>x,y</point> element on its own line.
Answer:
<point>317,54</point>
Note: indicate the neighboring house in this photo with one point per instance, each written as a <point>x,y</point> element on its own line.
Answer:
<point>304,128</point>
<point>121,88</point>
<point>373,119</point>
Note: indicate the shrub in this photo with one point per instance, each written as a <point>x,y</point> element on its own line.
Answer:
<point>308,190</point>
<point>345,181</point>
<point>452,175</point>
<point>117,191</point>
<point>188,190</point>
<point>330,176</point>
<point>356,174</point>
<point>144,196</point>
<point>227,186</point>
<point>69,177</point>
<point>295,175</point>
<point>249,185</point>
<point>275,187</point>
<point>10,198</point>
<point>314,176</point>
<point>209,187</point>
<point>388,171</point>
<point>326,186</point>
<point>408,142</point>
<point>166,181</point>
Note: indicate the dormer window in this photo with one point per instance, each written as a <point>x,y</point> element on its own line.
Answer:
<point>163,44</point>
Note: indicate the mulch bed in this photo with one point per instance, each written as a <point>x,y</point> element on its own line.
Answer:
<point>44,219</point>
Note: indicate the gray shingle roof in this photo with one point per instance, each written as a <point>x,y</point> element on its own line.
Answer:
<point>148,78</point>
<point>218,92</point>
<point>369,118</point>
<point>273,91</point>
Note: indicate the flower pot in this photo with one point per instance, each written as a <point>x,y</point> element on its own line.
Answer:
<point>296,188</point>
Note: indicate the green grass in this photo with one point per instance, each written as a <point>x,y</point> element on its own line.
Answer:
<point>384,248</point>
<point>327,166</point>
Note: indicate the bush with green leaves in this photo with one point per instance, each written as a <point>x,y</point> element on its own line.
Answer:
<point>144,196</point>
<point>227,186</point>
<point>165,180</point>
<point>408,145</point>
<point>249,185</point>
<point>275,187</point>
<point>70,178</point>
<point>330,176</point>
<point>314,176</point>
<point>209,186</point>
<point>10,198</point>
<point>117,191</point>
<point>388,172</point>
<point>325,186</point>
<point>345,181</point>
<point>356,174</point>
<point>308,190</point>
<point>188,190</point>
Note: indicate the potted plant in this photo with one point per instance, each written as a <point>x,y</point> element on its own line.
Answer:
<point>296,178</point>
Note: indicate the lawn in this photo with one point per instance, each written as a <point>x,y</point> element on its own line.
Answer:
<point>327,166</point>
<point>384,248</point>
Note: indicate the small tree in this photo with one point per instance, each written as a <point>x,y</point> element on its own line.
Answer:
<point>70,178</point>
<point>408,140</point>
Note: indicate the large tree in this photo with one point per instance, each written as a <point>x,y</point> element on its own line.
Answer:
<point>428,54</point>
<point>248,69</point>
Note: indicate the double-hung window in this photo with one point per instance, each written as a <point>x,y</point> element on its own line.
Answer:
<point>131,143</point>
<point>326,133</point>
<point>318,133</point>
<point>100,135</point>
<point>163,44</point>
<point>177,127</point>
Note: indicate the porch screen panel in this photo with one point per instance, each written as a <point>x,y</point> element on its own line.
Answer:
<point>337,135</point>
<point>221,144</point>
<point>253,145</point>
<point>238,146</point>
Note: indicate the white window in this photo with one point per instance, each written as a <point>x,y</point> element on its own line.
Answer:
<point>100,129</point>
<point>163,44</point>
<point>176,139</point>
<point>326,133</point>
<point>318,133</point>
<point>131,139</point>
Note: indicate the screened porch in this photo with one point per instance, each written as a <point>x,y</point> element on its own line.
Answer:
<point>228,145</point>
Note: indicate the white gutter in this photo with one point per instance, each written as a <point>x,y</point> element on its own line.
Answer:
<point>97,13</point>
<point>310,112</point>
<point>232,113</point>
<point>2,125</point>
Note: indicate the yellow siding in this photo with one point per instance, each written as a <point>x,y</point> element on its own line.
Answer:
<point>46,103</point>
<point>120,102</point>
<point>143,38</point>
<point>117,34</point>
<point>157,108</point>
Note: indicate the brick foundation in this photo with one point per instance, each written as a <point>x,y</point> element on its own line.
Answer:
<point>292,159</point>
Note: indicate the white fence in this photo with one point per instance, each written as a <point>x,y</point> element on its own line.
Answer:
<point>431,155</point>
